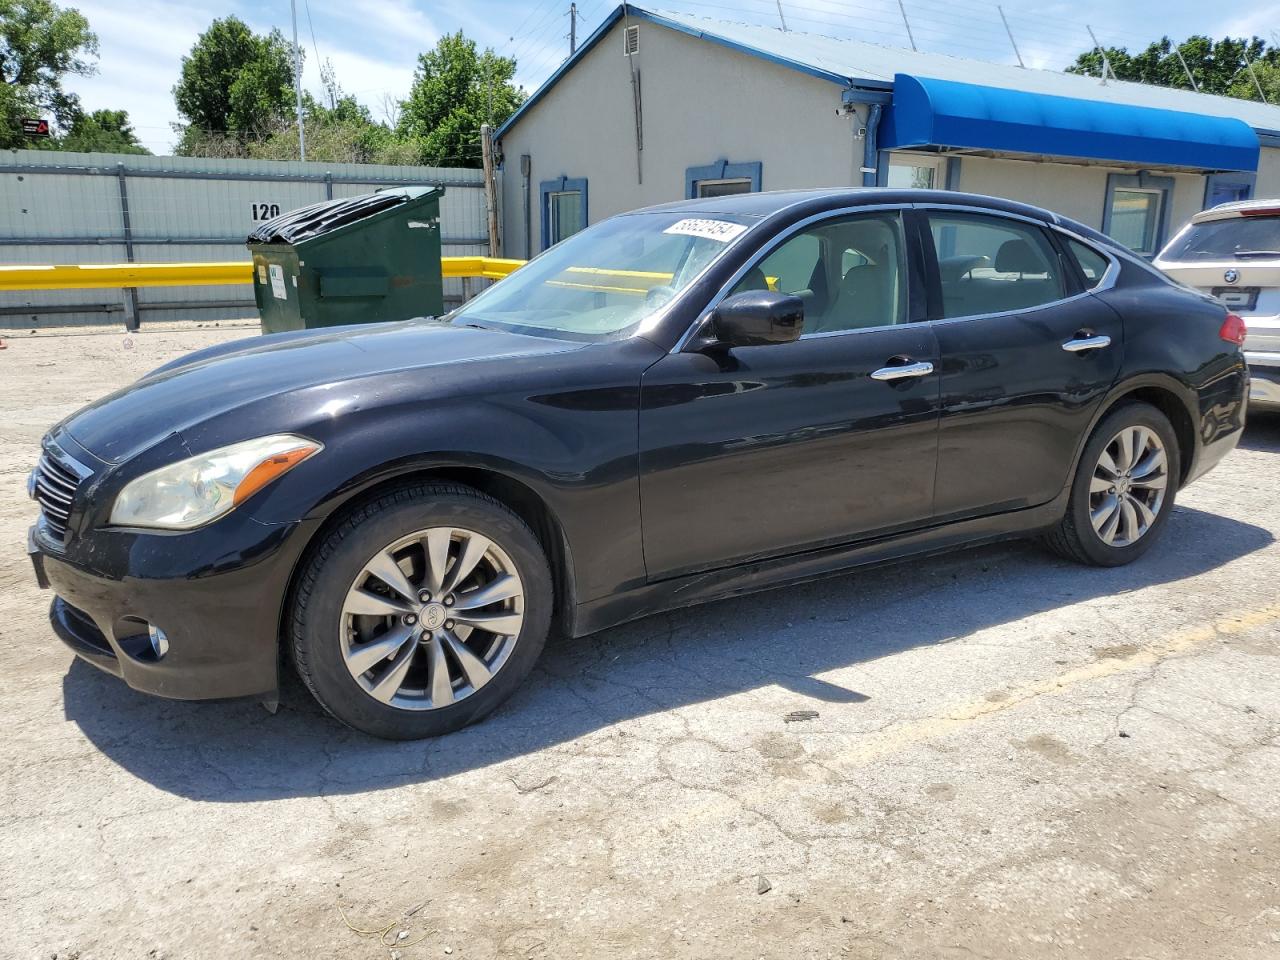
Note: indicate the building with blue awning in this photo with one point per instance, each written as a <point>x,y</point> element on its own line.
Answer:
<point>654,107</point>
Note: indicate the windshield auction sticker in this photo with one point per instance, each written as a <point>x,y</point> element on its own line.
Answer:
<point>719,230</point>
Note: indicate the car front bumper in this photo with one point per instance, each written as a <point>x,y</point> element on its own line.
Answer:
<point>221,619</point>
<point>1264,380</point>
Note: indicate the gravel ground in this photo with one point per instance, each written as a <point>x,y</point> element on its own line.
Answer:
<point>1010,756</point>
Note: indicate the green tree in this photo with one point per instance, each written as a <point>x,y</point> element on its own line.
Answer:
<point>103,131</point>
<point>454,91</point>
<point>235,86</point>
<point>342,133</point>
<point>1218,66</point>
<point>40,44</point>
<point>1268,78</point>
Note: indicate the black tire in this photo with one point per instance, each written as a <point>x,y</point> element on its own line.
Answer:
<point>1075,538</point>
<point>338,560</point>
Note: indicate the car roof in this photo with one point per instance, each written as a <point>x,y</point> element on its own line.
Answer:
<point>1239,208</point>
<point>767,203</point>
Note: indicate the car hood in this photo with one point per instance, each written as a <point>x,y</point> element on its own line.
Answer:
<point>219,380</point>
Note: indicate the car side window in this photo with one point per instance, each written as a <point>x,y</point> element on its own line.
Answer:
<point>1092,264</point>
<point>850,272</point>
<point>989,264</point>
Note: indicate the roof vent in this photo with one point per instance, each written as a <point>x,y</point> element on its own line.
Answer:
<point>631,41</point>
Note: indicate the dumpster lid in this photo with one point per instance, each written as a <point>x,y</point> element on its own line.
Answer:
<point>329,215</point>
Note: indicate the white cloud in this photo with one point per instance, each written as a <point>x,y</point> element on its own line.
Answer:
<point>142,45</point>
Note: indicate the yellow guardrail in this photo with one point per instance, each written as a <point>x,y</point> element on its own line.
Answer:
<point>83,276</point>
<point>491,268</point>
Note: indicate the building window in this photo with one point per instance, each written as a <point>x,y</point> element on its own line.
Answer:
<point>1137,211</point>
<point>908,171</point>
<point>721,178</point>
<point>564,208</point>
<point>1222,188</point>
<point>722,188</point>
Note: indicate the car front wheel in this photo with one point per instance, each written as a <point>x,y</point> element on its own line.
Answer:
<point>1123,489</point>
<point>421,611</point>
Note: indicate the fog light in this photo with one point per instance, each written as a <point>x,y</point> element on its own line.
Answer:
<point>159,642</point>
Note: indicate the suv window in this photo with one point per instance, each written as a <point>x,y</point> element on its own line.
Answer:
<point>850,272</point>
<point>1092,264</point>
<point>989,264</point>
<point>1237,238</point>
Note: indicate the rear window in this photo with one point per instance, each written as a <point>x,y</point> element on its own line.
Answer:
<point>1092,264</point>
<point>1238,238</point>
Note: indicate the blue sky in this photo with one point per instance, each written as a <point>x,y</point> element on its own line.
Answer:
<point>374,43</point>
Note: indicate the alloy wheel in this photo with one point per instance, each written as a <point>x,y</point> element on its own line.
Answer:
<point>432,618</point>
<point>1127,490</point>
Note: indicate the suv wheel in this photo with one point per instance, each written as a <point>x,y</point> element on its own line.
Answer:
<point>421,611</point>
<point>1123,490</point>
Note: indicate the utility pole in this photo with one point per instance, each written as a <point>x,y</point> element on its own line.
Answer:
<point>1012,42</point>
<point>1106,63</point>
<point>781,18</point>
<point>906,23</point>
<point>573,28</point>
<point>490,189</point>
<point>297,81</point>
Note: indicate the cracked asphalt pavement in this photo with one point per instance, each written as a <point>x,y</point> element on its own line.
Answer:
<point>1011,757</point>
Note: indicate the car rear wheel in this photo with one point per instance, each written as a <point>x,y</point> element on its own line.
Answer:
<point>1123,489</point>
<point>421,611</point>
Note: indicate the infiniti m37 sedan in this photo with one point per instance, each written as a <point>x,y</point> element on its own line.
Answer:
<point>674,405</point>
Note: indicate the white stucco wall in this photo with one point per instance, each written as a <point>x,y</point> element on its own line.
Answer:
<point>701,103</point>
<point>1073,190</point>
<point>1268,185</point>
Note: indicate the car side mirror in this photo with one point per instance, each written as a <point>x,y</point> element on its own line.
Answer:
<point>757,317</point>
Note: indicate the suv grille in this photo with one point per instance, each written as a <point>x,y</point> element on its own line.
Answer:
<point>56,489</point>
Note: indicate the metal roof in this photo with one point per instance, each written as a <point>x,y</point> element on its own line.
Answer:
<point>858,63</point>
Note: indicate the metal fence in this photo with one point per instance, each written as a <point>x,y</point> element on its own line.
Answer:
<point>75,208</point>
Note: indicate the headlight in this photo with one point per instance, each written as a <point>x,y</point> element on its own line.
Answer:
<point>195,491</point>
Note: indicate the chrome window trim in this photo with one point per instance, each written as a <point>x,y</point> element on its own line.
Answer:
<point>1108,279</point>
<point>705,314</point>
<point>1106,283</point>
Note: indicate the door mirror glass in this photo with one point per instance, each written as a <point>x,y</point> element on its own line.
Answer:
<point>758,317</point>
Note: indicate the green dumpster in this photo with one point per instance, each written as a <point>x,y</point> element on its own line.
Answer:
<point>357,260</point>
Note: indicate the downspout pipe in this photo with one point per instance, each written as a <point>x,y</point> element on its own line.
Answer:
<point>870,147</point>
<point>526,173</point>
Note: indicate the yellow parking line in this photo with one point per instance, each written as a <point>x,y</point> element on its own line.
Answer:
<point>897,738</point>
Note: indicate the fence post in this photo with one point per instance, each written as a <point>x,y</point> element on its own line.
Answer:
<point>328,185</point>
<point>132,320</point>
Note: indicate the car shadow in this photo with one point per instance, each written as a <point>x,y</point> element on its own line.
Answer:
<point>233,752</point>
<point>1262,432</point>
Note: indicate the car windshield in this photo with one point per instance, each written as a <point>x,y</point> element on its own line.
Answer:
<point>1237,238</point>
<point>607,279</point>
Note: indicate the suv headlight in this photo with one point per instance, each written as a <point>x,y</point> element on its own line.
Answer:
<point>198,490</point>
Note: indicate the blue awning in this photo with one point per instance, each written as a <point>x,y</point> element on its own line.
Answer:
<point>944,113</point>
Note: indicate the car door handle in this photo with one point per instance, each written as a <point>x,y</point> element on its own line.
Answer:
<point>902,371</point>
<point>1080,344</point>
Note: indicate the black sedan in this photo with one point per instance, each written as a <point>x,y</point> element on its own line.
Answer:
<point>674,405</point>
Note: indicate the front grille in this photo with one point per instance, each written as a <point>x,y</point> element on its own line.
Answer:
<point>56,487</point>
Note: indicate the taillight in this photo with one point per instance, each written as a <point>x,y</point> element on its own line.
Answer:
<point>1233,330</point>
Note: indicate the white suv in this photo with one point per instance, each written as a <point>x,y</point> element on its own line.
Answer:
<point>1233,253</point>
